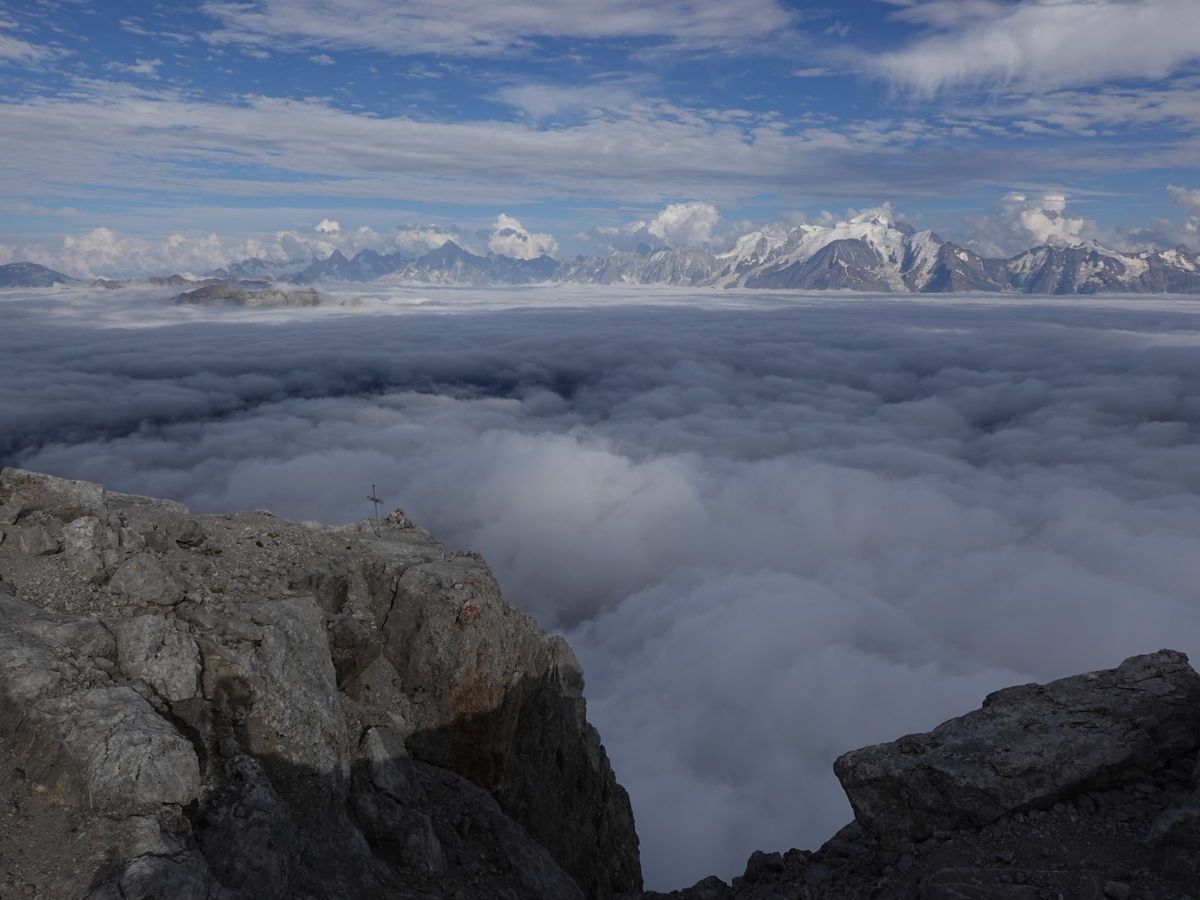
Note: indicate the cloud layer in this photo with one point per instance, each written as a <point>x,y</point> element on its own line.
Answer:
<point>775,528</point>
<point>468,28</point>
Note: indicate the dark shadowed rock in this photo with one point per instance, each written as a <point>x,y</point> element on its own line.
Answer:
<point>1026,748</point>
<point>1178,827</point>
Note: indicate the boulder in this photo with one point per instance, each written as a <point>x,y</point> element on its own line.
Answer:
<point>1028,747</point>
<point>36,540</point>
<point>106,746</point>
<point>86,542</point>
<point>144,581</point>
<point>1178,827</point>
<point>160,652</point>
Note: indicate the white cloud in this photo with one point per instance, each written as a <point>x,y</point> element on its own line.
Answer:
<point>1044,218</point>
<point>467,27</point>
<point>1045,43</point>
<point>105,252</point>
<point>685,224</point>
<point>321,59</point>
<point>147,68</point>
<point>418,239</point>
<point>543,100</point>
<point>328,226</point>
<point>15,50</point>
<point>157,139</point>
<point>510,238</point>
<point>1187,199</point>
<point>1023,220</point>
<point>677,225</point>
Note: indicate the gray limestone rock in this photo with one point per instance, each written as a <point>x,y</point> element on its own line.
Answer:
<point>1026,748</point>
<point>36,540</point>
<point>143,580</point>
<point>106,746</point>
<point>160,652</point>
<point>341,713</point>
<point>86,543</point>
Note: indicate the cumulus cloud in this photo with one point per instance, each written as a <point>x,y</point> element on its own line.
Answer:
<point>685,224</point>
<point>1023,220</point>
<point>773,533</point>
<point>1044,218</point>
<point>1187,199</point>
<point>418,239</point>
<point>103,251</point>
<point>1040,44</point>
<point>328,226</point>
<point>677,225</point>
<point>510,238</point>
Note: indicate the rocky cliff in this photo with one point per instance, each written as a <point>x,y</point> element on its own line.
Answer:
<point>244,707</point>
<point>1086,787</point>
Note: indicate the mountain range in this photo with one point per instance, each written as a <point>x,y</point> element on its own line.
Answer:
<point>869,252</point>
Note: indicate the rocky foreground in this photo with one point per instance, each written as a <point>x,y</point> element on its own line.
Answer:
<point>244,707</point>
<point>1087,787</point>
<point>239,706</point>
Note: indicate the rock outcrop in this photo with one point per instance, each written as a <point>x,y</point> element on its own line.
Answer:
<point>1086,787</point>
<point>1028,747</point>
<point>244,707</point>
<point>220,292</point>
<point>28,274</point>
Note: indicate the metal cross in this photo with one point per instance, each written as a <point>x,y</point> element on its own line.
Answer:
<point>374,498</point>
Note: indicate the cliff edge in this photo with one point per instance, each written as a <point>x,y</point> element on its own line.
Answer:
<point>239,706</point>
<point>1086,788</point>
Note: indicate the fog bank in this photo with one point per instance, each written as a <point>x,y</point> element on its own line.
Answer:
<point>774,528</point>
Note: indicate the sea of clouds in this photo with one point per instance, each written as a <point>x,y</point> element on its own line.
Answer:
<point>774,527</point>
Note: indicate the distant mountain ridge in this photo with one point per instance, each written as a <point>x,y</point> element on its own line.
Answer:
<point>869,252</point>
<point>27,274</point>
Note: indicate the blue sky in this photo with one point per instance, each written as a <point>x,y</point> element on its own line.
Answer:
<point>192,132</point>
